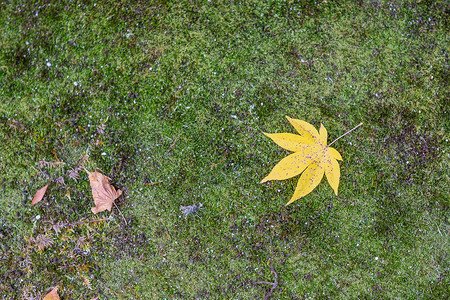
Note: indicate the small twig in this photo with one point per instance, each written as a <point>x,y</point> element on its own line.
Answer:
<point>173,144</point>
<point>126,224</point>
<point>96,220</point>
<point>273,284</point>
<point>438,229</point>
<point>153,183</point>
<point>345,134</point>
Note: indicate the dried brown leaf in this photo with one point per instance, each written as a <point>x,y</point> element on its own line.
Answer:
<point>83,159</point>
<point>53,295</point>
<point>73,173</point>
<point>103,192</point>
<point>39,195</point>
<point>60,180</point>
<point>44,163</point>
<point>41,242</point>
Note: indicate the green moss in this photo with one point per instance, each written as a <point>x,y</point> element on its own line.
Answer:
<point>170,100</point>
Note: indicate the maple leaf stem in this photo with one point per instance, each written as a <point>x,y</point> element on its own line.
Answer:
<point>125,220</point>
<point>345,134</point>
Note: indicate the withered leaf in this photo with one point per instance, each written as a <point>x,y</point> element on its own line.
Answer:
<point>53,295</point>
<point>103,192</point>
<point>39,195</point>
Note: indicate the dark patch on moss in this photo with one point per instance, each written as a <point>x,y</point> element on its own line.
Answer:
<point>413,150</point>
<point>266,104</point>
<point>393,216</point>
<point>327,106</point>
<point>18,56</point>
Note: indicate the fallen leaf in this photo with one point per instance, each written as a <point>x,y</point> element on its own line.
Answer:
<point>53,295</point>
<point>312,157</point>
<point>43,163</point>
<point>41,242</point>
<point>39,195</point>
<point>103,192</point>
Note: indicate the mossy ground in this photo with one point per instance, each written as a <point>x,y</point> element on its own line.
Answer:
<point>184,90</point>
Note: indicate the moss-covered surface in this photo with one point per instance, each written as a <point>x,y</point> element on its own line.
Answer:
<point>170,99</point>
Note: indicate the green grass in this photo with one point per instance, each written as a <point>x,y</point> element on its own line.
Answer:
<point>185,90</point>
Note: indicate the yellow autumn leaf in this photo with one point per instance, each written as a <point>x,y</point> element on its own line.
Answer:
<point>312,158</point>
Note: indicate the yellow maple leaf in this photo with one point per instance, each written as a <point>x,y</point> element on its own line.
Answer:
<point>312,158</point>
